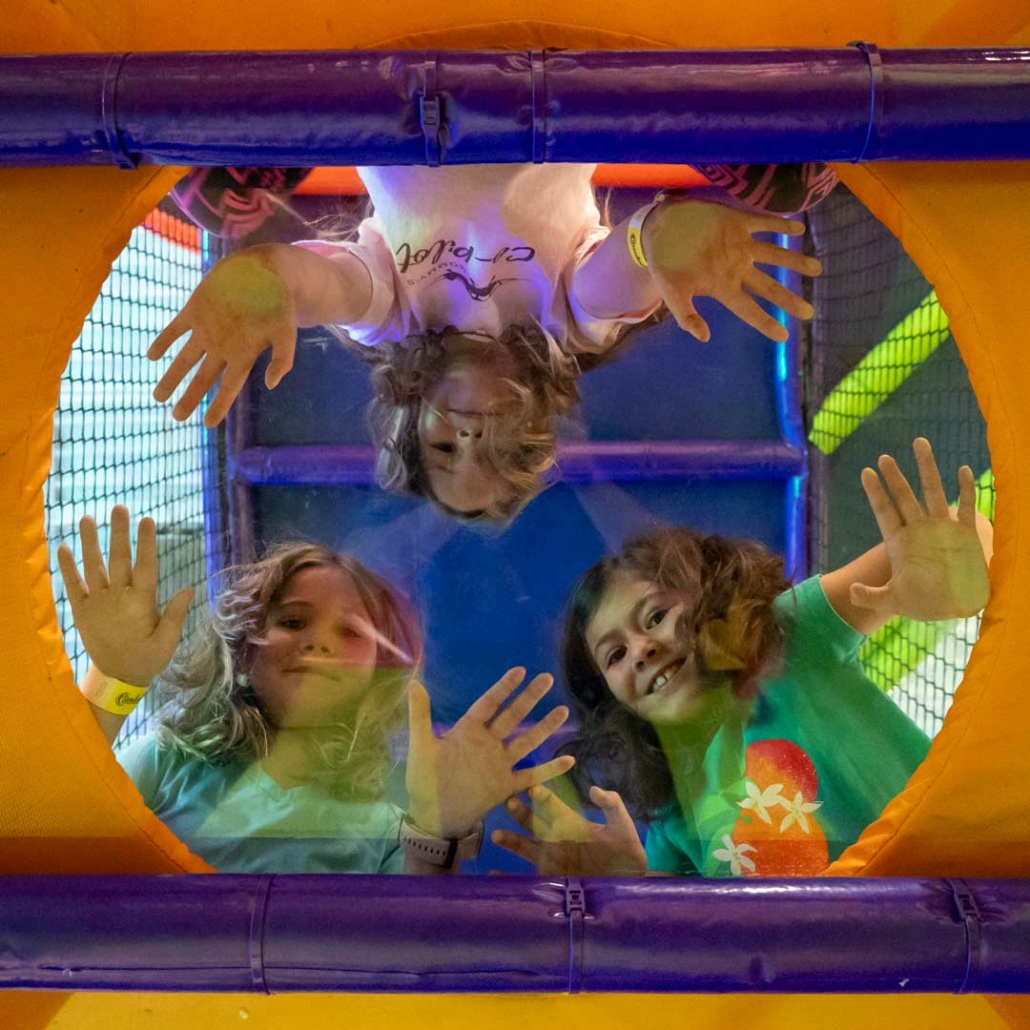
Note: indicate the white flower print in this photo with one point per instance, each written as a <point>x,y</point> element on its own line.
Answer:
<point>761,800</point>
<point>798,811</point>
<point>734,854</point>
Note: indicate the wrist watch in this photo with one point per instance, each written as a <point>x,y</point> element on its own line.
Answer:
<point>445,852</point>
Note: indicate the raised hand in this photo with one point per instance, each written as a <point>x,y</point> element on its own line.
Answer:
<point>454,780</point>
<point>562,843</point>
<point>239,310</point>
<point>698,248</point>
<point>115,607</point>
<point>937,559</point>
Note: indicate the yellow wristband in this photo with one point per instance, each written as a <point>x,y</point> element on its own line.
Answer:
<point>110,694</point>
<point>635,233</point>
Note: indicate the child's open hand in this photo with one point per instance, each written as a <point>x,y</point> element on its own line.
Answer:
<point>698,248</point>
<point>115,608</point>
<point>937,559</point>
<point>240,309</point>
<point>563,843</point>
<point>454,780</point>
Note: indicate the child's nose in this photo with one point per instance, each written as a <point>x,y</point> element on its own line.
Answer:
<point>647,651</point>
<point>317,648</point>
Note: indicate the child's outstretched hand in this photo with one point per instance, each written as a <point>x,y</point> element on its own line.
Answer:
<point>563,843</point>
<point>697,248</point>
<point>454,780</point>
<point>937,560</point>
<point>240,309</point>
<point>115,608</point>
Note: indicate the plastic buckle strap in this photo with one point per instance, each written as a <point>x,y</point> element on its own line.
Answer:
<point>429,111</point>
<point>256,935</point>
<point>575,912</point>
<point>969,913</point>
<point>538,100</point>
<point>875,126</point>
<point>109,112</point>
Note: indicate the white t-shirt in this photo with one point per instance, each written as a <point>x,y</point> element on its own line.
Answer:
<point>479,247</point>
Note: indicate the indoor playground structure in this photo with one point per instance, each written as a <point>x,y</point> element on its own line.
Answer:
<point>921,320</point>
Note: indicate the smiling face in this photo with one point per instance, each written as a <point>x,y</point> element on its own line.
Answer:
<point>320,652</point>
<point>633,640</point>
<point>451,427</point>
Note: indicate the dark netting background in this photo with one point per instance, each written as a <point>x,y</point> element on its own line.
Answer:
<point>114,444</point>
<point>881,369</point>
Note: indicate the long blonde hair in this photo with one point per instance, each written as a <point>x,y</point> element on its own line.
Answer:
<point>216,716</point>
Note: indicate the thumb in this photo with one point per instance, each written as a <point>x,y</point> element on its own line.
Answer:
<point>615,815</point>
<point>281,363</point>
<point>420,722</point>
<point>169,629</point>
<point>875,598</point>
<point>687,318</point>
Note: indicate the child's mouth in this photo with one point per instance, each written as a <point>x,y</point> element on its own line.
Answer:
<point>664,677</point>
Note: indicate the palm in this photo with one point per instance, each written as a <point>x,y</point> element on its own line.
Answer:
<point>696,248</point>
<point>454,780</point>
<point>239,310</point>
<point>115,606</point>
<point>937,557</point>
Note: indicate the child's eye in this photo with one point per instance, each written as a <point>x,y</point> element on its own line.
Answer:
<point>615,656</point>
<point>656,617</point>
<point>443,448</point>
<point>292,622</point>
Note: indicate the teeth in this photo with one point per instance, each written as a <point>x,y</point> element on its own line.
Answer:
<point>662,678</point>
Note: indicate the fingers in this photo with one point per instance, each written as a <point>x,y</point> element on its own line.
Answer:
<point>420,721</point>
<point>776,224</point>
<point>526,778</point>
<point>681,307</point>
<point>205,377</point>
<point>930,479</point>
<point>178,369</point>
<point>967,497</point>
<point>178,326</point>
<point>233,382</point>
<point>772,254</point>
<point>531,739</point>
<point>901,492</point>
<point>766,287</point>
<point>485,707</point>
<point>508,720</point>
<point>747,309</point>
<point>530,850</point>
<point>617,818</point>
<point>119,557</point>
<point>74,586</point>
<point>144,573</point>
<point>875,598</point>
<point>92,560</point>
<point>887,518</point>
<point>525,816</point>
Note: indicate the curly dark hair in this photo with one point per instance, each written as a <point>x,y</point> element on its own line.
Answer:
<point>735,581</point>
<point>542,387</point>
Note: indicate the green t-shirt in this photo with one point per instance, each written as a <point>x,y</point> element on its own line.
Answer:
<point>241,821</point>
<point>787,785</point>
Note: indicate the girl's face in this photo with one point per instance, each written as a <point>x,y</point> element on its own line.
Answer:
<point>450,430</point>
<point>320,653</point>
<point>635,646</point>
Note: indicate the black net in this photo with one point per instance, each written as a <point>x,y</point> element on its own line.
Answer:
<point>113,444</point>
<point>883,369</point>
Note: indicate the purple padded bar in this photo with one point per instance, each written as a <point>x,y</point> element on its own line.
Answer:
<point>423,934</point>
<point>599,461</point>
<point>462,107</point>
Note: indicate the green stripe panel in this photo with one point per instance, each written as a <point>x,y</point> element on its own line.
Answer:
<point>879,374</point>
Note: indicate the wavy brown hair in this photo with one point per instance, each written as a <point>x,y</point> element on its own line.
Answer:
<point>718,580</point>
<point>518,444</point>
<point>216,715</point>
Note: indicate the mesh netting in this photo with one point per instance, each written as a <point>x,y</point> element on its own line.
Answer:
<point>883,369</point>
<point>113,444</point>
